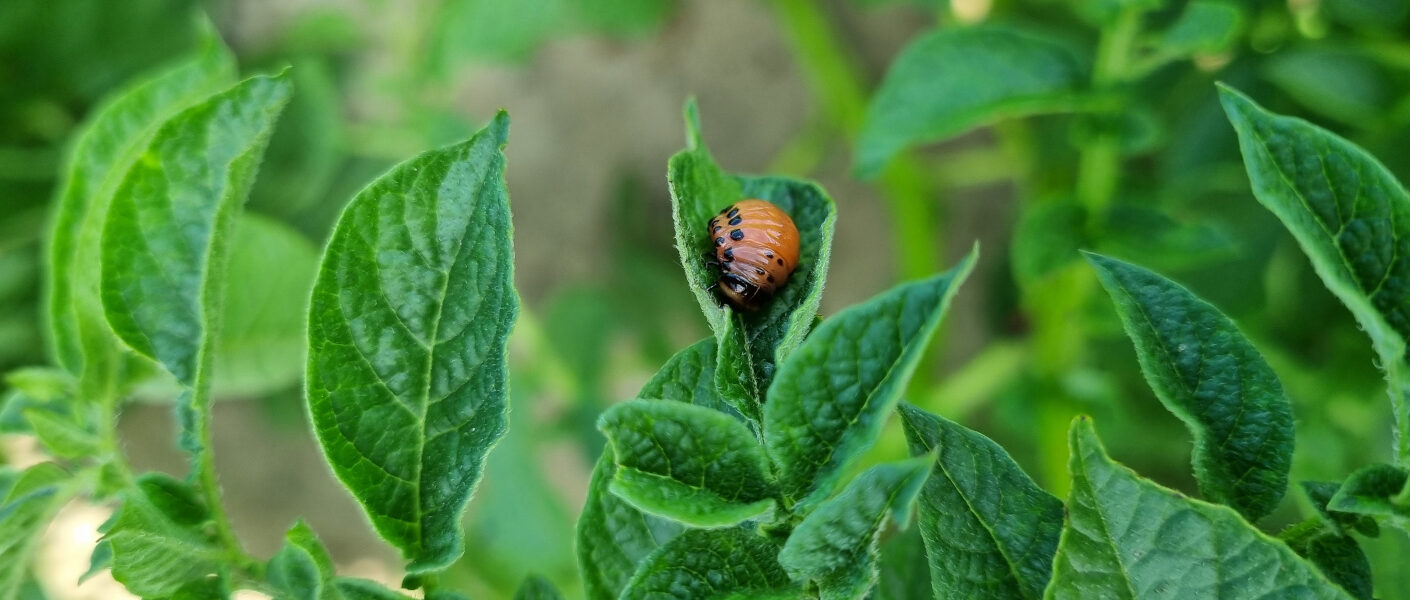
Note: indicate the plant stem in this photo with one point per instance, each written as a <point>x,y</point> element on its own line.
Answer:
<point>836,82</point>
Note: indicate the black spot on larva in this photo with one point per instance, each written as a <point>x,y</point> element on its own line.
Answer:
<point>758,271</point>
<point>717,228</point>
<point>780,262</point>
<point>735,221</point>
<point>719,241</point>
<point>771,279</point>
<point>732,212</point>
<point>768,255</point>
<point>724,210</point>
<point>712,222</point>
<point>736,235</point>
<point>729,254</point>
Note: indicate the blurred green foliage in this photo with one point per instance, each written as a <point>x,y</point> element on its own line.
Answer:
<point>1149,171</point>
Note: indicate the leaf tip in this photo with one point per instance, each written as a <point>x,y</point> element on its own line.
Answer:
<point>691,112</point>
<point>499,128</point>
<point>1236,104</point>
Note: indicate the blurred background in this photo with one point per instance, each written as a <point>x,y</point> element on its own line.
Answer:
<point>595,89</point>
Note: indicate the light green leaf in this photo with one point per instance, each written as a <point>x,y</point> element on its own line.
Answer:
<point>1381,491</point>
<point>689,463</point>
<point>955,79</point>
<point>1204,26</point>
<point>535,587</point>
<point>1128,538</point>
<point>828,402</point>
<point>989,530</point>
<point>1205,371</point>
<point>903,573</point>
<point>407,382</point>
<point>751,344</point>
<point>30,500</point>
<point>42,383</point>
<point>60,436</point>
<point>1352,219</point>
<point>613,537</point>
<point>303,570</point>
<point>110,142</point>
<point>713,564</point>
<point>158,540</point>
<point>169,226</point>
<point>262,333</point>
<point>835,547</point>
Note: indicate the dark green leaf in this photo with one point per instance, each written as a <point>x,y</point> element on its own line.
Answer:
<point>1344,84</point>
<point>955,79</point>
<point>751,344</point>
<point>1350,216</point>
<point>1320,494</point>
<point>829,401</point>
<point>101,560</point>
<point>1335,554</point>
<point>989,530</point>
<point>407,381</point>
<point>613,537</point>
<point>164,245</point>
<point>1204,26</point>
<point>28,500</point>
<point>1129,538</point>
<point>1206,372</point>
<point>689,463</point>
<point>110,142</point>
<point>158,541</point>
<point>1368,13</point>
<point>1381,491</point>
<point>1150,237</point>
<point>835,547</point>
<point>303,570</point>
<point>535,587</point>
<point>710,564</point>
<point>353,588</point>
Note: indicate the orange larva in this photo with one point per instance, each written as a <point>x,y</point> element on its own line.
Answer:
<point>756,245</point>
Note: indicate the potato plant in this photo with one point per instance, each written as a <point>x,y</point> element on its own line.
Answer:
<point>740,468</point>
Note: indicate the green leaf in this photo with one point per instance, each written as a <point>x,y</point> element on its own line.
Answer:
<point>1205,371</point>
<point>1351,218</point>
<point>30,500</point>
<point>953,80</point>
<point>164,245</point>
<point>689,463</point>
<point>836,546</point>
<point>205,588</point>
<point>302,569</point>
<point>1204,26</point>
<point>1320,494</point>
<point>1127,537</point>
<point>710,564</point>
<point>262,330</point>
<point>1046,238</point>
<point>158,541</point>
<point>535,587</point>
<point>989,530</point>
<point>110,142</point>
<point>101,560</point>
<point>1335,554</point>
<point>353,588</point>
<point>751,344</point>
<point>1377,490</point>
<point>828,403</point>
<point>42,383</point>
<point>60,436</point>
<point>1345,84</point>
<point>903,573</point>
<point>407,382</point>
<point>613,537</point>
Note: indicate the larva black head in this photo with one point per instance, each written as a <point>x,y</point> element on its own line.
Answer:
<point>740,293</point>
